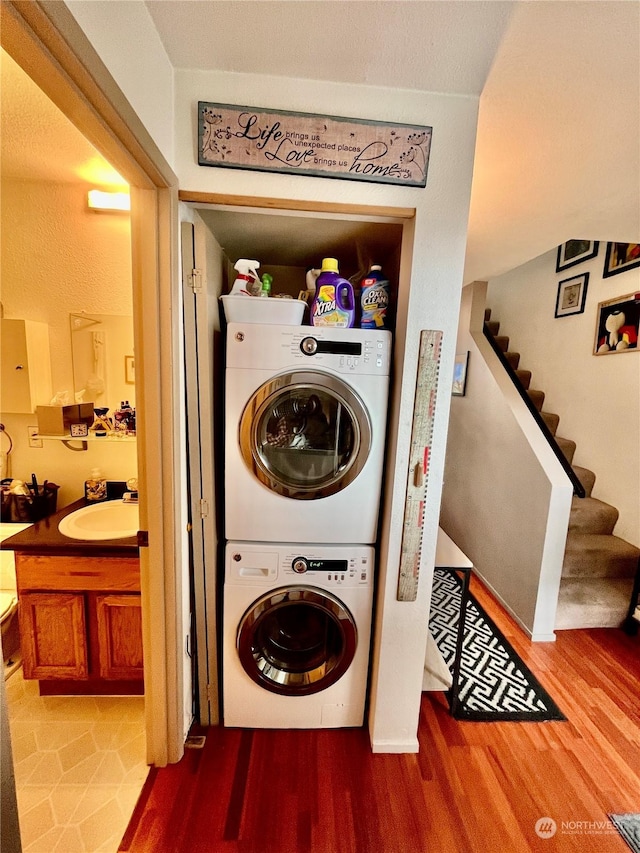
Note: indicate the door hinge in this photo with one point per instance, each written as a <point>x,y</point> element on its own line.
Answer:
<point>195,280</point>
<point>211,693</point>
<point>143,538</point>
<point>204,508</point>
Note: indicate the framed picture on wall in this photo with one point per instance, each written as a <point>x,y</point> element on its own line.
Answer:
<point>129,370</point>
<point>460,374</point>
<point>572,293</point>
<point>617,325</point>
<point>575,252</point>
<point>621,257</point>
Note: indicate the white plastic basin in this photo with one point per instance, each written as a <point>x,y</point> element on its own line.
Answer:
<point>253,309</point>
<point>110,520</point>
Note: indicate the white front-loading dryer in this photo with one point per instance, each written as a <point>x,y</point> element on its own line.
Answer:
<point>296,634</point>
<point>305,420</point>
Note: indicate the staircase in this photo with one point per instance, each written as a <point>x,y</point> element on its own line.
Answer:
<point>598,567</point>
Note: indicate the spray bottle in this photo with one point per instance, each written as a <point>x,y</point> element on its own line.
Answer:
<point>265,289</point>
<point>247,282</point>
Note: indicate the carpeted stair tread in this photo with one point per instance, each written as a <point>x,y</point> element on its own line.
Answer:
<point>551,421</point>
<point>536,397</point>
<point>502,341</point>
<point>567,446</point>
<point>493,326</point>
<point>598,568</point>
<point>589,515</point>
<point>597,555</point>
<point>586,477</point>
<point>592,603</point>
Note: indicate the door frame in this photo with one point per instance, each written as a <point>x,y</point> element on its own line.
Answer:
<point>49,45</point>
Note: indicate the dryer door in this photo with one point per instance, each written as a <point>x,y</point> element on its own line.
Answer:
<point>305,435</point>
<point>297,640</point>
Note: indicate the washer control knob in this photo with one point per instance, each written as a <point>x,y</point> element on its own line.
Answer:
<point>309,346</point>
<point>299,565</point>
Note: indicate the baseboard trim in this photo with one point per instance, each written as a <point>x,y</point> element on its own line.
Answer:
<point>534,637</point>
<point>395,747</point>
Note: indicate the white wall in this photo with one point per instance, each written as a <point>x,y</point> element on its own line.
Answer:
<point>506,498</point>
<point>433,302</point>
<point>123,35</point>
<point>596,397</point>
<point>440,231</point>
<point>58,257</point>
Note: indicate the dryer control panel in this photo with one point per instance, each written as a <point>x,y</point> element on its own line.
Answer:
<point>276,348</point>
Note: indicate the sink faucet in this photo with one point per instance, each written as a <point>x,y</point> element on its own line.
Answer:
<point>131,495</point>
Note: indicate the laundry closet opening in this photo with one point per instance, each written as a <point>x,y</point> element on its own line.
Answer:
<point>286,240</point>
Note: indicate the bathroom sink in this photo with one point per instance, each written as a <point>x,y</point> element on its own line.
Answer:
<point>110,520</point>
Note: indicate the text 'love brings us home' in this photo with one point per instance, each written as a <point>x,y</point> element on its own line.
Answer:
<point>306,144</point>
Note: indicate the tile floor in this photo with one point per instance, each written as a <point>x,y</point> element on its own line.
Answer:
<point>79,765</point>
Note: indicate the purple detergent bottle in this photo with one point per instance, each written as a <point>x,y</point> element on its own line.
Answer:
<point>334,303</point>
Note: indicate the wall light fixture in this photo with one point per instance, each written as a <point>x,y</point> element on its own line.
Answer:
<point>99,200</point>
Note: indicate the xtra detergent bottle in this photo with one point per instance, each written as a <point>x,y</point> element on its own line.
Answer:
<point>374,299</point>
<point>333,304</point>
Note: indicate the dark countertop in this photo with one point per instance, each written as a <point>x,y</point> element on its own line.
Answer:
<point>43,537</point>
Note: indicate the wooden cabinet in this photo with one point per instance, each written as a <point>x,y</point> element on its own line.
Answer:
<point>53,635</point>
<point>81,622</point>
<point>119,636</point>
<point>26,366</point>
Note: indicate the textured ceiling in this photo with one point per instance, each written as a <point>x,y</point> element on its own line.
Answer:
<point>431,46</point>
<point>38,142</point>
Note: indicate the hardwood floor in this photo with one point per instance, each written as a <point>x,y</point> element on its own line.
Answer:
<point>472,788</point>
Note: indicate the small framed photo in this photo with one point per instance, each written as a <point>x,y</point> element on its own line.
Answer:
<point>617,325</point>
<point>575,252</point>
<point>129,370</point>
<point>572,293</point>
<point>460,374</point>
<point>620,257</point>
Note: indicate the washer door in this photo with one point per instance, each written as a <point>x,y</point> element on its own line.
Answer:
<point>305,435</point>
<point>296,640</point>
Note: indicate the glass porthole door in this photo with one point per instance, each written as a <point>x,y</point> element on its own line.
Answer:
<point>305,435</point>
<point>296,640</point>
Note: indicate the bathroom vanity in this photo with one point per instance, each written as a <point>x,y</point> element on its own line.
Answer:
<point>80,613</point>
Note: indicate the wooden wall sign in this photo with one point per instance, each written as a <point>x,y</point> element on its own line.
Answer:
<point>236,137</point>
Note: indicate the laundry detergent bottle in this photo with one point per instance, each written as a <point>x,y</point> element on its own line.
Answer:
<point>334,303</point>
<point>374,299</point>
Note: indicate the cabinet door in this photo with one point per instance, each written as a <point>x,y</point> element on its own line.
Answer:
<point>53,635</point>
<point>26,366</point>
<point>119,636</point>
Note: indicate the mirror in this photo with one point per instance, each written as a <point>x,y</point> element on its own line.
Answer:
<point>103,359</point>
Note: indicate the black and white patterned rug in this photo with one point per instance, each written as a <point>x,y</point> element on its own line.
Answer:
<point>628,825</point>
<point>494,683</point>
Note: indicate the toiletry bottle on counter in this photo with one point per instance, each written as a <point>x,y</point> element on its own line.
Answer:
<point>374,299</point>
<point>95,487</point>
<point>333,304</point>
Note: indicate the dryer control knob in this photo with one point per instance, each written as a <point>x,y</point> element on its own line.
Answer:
<point>300,565</point>
<point>309,346</point>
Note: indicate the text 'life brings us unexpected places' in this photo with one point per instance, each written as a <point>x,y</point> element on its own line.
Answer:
<point>238,137</point>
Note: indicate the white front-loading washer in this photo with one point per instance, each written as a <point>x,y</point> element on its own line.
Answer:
<point>296,634</point>
<point>305,420</point>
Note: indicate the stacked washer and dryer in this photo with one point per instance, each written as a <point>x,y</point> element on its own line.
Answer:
<point>306,411</point>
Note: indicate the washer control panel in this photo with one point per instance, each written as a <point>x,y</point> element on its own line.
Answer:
<point>348,571</point>
<point>327,566</point>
